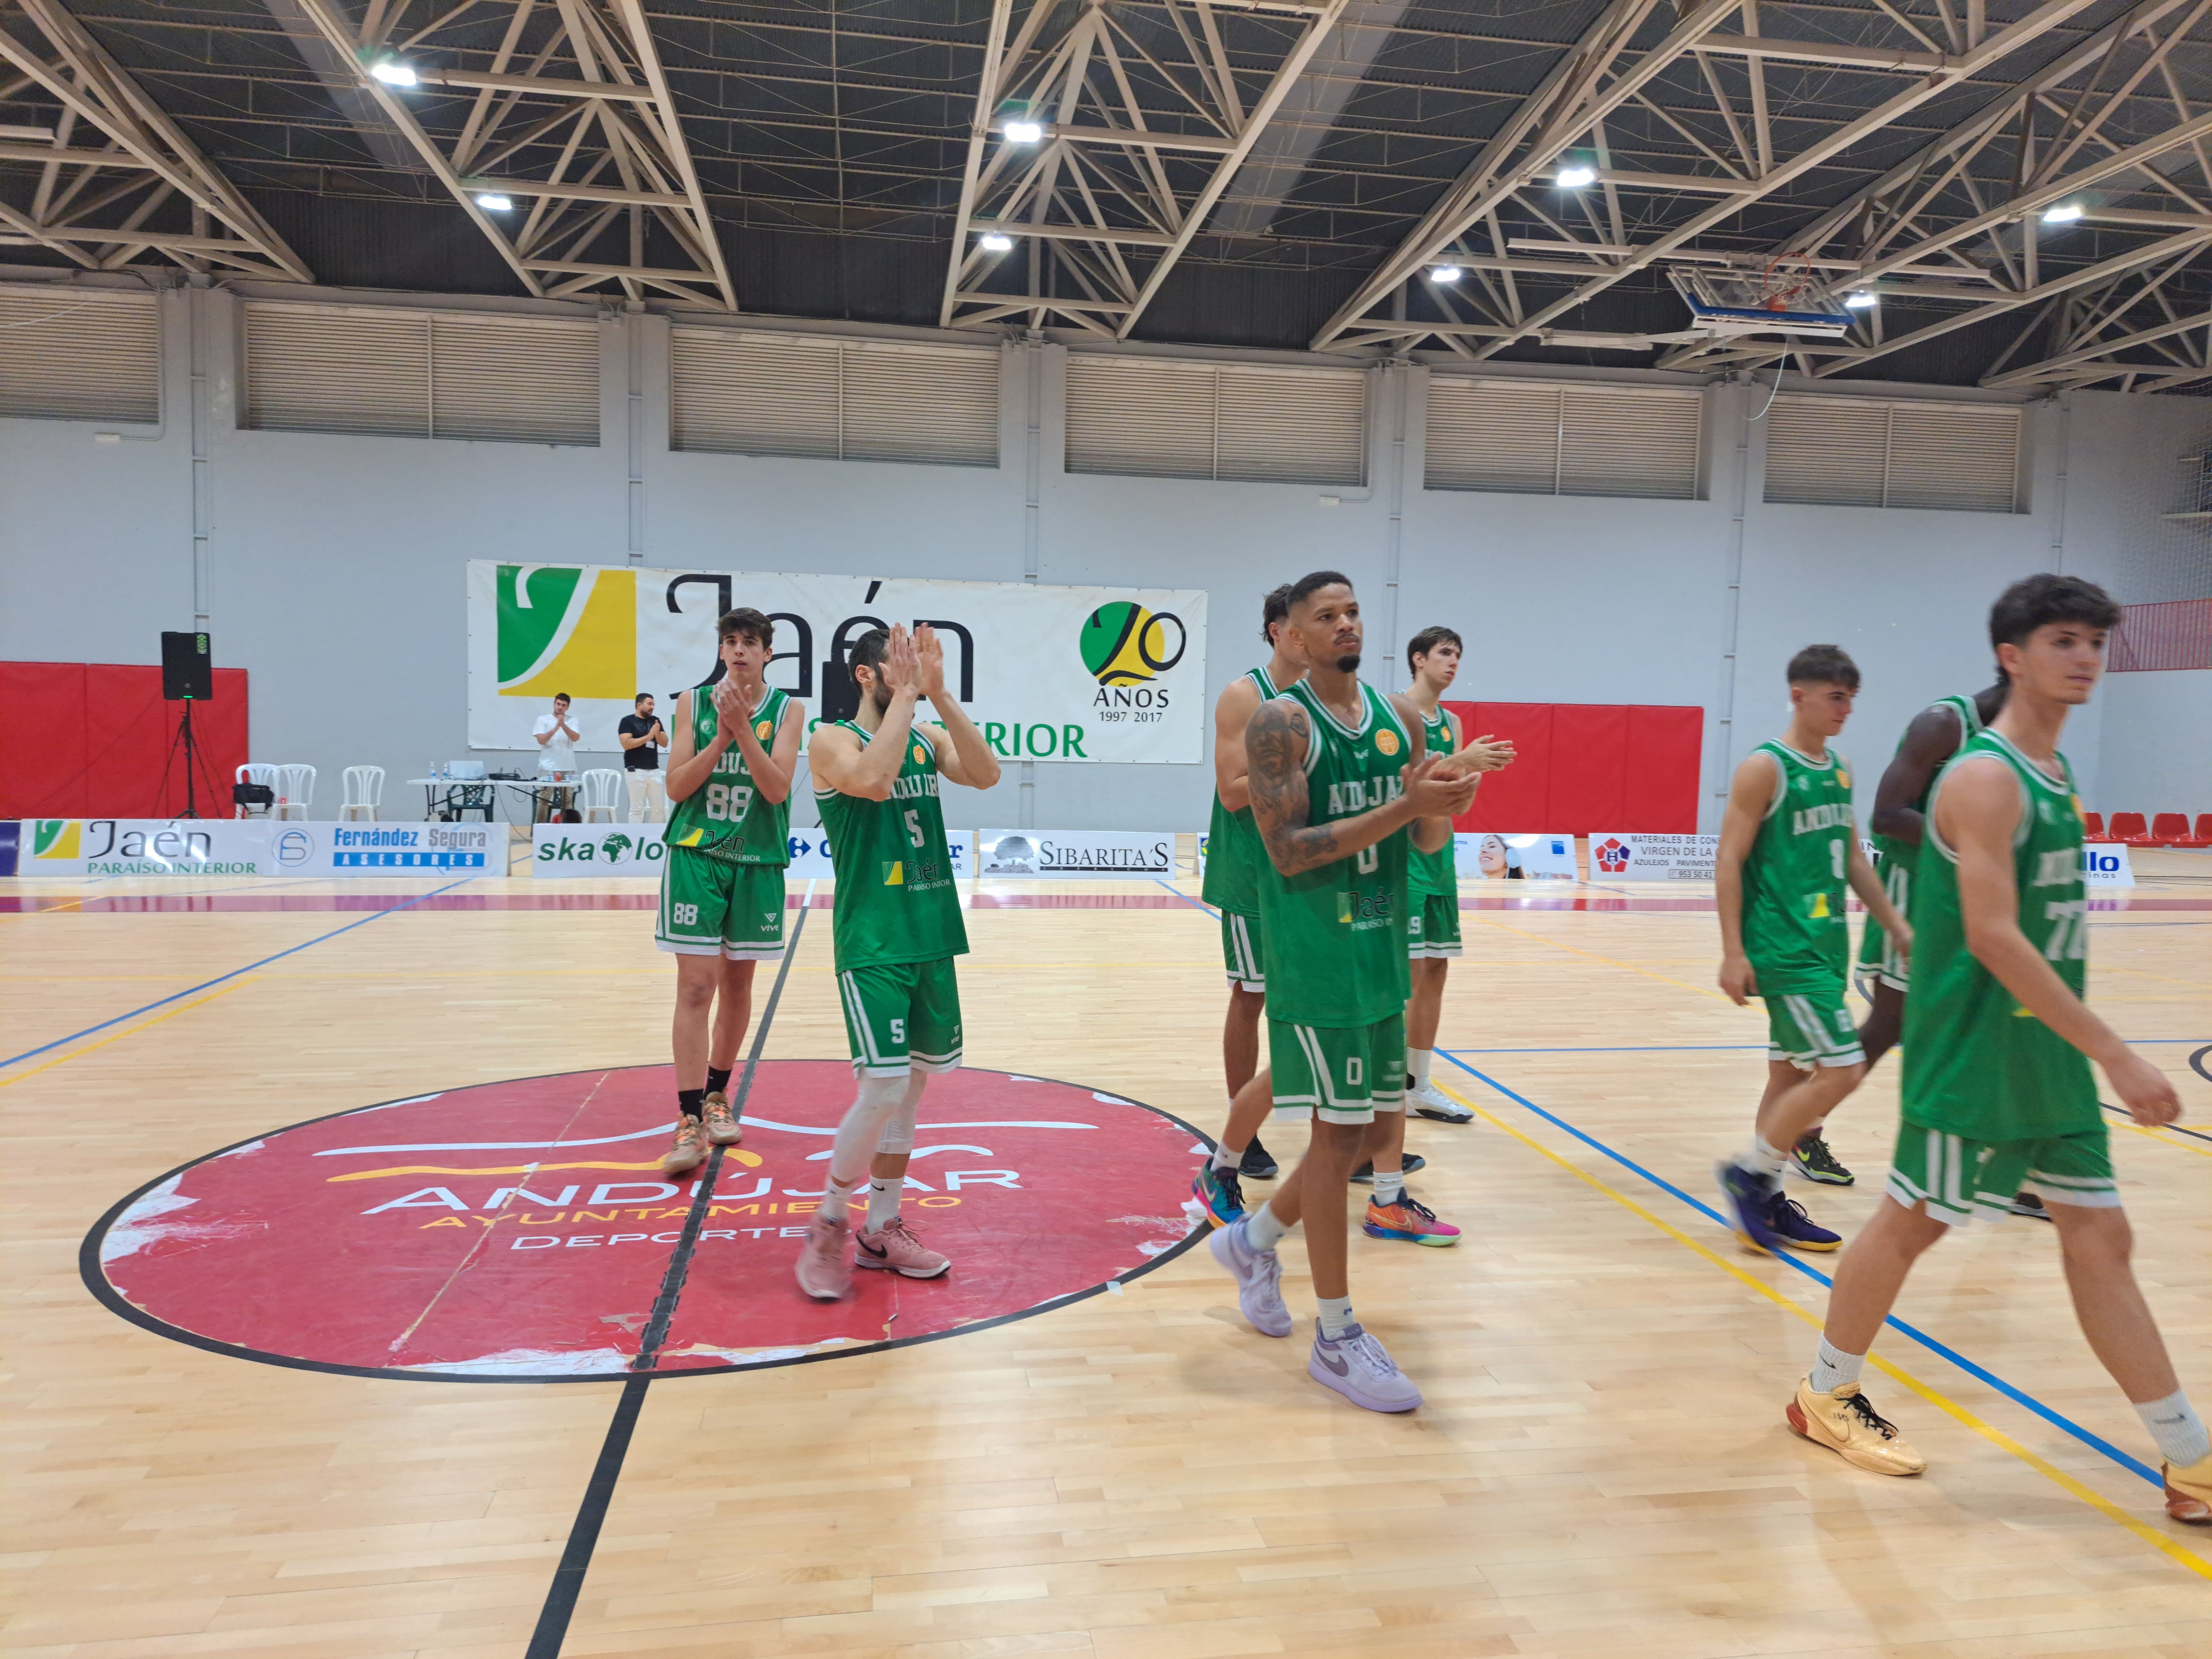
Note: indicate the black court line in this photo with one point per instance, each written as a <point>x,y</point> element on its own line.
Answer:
<point>584,1535</point>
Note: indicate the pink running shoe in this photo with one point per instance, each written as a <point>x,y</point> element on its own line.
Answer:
<point>1409,1219</point>
<point>896,1248</point>
<point>823,1270</point>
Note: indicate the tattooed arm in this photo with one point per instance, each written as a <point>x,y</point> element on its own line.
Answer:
<point>1275,754</point>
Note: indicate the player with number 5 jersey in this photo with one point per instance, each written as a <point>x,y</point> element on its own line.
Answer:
<point>735,748</point>
<point>897,927</point>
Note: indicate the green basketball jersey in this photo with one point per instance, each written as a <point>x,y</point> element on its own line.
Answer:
<point>1794,929</point>
<point>896,900</point>
<point>1977,1064</point>
<point>1233,851</point>
<point>1436,872</point>
<point>1334,937</point>
<point>725,817</point>
<point>1902,854</point>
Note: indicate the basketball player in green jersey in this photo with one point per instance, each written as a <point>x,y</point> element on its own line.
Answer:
<point>1233,858</point>
<point>731,761</point>
<point>1996,1091</point>
<point>1337,776</point>
<point>1789,845</point>
<point>897,927</point>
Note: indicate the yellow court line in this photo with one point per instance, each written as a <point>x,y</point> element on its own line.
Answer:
<point>128,1031</point>
<point>2112,1511</point>
<point>1702,990</point>
<point>2153,1135</point>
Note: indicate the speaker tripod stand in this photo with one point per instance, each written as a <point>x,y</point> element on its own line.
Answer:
<point>195,766</point>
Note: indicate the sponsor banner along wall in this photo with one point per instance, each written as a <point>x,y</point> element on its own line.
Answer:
<point>1077,853</point>
<point>559,850</point>
<point>1048,674</point>
<point>2105,863</point>
<point>1624,855</point>
<point>256,847</point>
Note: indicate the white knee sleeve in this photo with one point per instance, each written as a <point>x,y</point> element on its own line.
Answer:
<point>898,1129</point>
<point>862,1129</point>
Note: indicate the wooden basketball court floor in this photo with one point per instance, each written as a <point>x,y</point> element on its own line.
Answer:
<point>1601,1467</point>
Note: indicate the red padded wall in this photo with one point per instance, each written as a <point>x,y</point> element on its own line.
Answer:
<point>1514,799</point>
<point>104,738</point>
<point>1584,766</point>
<point>1590,775</point>
<point>1665,746</point>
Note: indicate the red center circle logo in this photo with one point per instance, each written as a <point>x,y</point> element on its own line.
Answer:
<point>523,1232</point>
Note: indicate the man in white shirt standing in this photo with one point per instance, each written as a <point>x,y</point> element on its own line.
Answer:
<point>556,758</point>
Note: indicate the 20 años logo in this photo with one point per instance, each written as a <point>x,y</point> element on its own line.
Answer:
<point>1124,647</point>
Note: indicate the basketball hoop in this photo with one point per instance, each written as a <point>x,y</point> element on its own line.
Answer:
<point>1786,277</point>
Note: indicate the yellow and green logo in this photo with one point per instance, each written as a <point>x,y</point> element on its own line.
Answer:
<point>58,838</point>
<point>566,629</point>
<point>1125,644</point>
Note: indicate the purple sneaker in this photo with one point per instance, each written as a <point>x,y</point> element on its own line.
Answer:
<point>1360,1369</point>
<point>1259,1278</point>
<point>1797,1230</point>
<point>1746,1199</point>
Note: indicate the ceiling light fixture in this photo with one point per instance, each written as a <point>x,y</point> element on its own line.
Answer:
<point>392,72</point>
<point>1446,274</point>
<point>1022,132</point>
<point>1576,176</point>
<point>2064,214</point>
<point>997,242</point>
<point>492,201</point>
<point>1860,298</point>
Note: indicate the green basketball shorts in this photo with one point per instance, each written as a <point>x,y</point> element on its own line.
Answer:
<point>901,1017</point>
<point>1433,929</point>
<point>1959,1179</point>
<point>1812,1027</point>
<point>716,906</point>
<point>1347,1074</point>
<point>1240,952</point>
<point>1880,960</point>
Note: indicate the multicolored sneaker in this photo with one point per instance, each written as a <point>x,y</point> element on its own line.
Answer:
<point>823,1272</point>
<point>723,1128</point>
<point>689,1150</point>
<point>1797,1230</point>
<point>1746,1198</point>
<point>894,1247</point>
<point>1259,1276</point>
<point>1409,1219</point>
<point>1361,1370</point>
<point>1430,1102</point>
<point>1816,1162</point>
<point>2189,1493</point>
<point>1847,1424</point>
<point>1217,1194</point>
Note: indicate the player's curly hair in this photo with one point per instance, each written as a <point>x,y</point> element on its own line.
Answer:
<point>1824,665</point>
<point>1307,585</point>
<point>1274,610</point>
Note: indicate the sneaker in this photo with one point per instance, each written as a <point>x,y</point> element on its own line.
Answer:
<point>1430,1102</point>
<point>823,1272</point>
<point>1409,1219</point>
<point>1217,1194</point>
<point>1797,1230</point>
<point>894,1246</point>
<point>723,1128</point>
<point>1408,1164</point>
<point>2028,1206</point>
<point>2189,1493</point>
<point>1259,1278</point>
<point>1258,1164</point>
<point>1815,1162</point>
<point>1848,1426</point>
<point>1360,1369</point>
<point>1746,1198</point>
<point>689,1150</point>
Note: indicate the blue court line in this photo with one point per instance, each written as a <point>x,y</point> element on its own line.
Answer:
<point>2095,1442</point>
<point>377,915</point>
<point>1188,900</point>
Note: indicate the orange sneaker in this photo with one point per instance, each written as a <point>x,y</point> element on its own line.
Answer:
<point>1408,1219</point>
<point>723,1128</point>
<point>689,1150</point>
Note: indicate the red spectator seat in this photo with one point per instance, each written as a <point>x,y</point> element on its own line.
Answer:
<point>2128,827</point>
<point>2092,826</point>
<point>2205,826</point>
<point>2172,830</point>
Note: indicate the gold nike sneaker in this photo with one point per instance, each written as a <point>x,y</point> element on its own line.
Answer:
<point>1849,1426</point>
<point>2189,1493</point>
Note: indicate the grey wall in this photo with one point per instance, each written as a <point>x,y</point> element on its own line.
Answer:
<point>332,567</point>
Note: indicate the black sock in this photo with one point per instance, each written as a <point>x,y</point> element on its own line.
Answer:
<point>718,1079</point>
<point>687,1102</point>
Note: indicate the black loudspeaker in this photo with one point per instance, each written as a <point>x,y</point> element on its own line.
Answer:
<point>187,668</point>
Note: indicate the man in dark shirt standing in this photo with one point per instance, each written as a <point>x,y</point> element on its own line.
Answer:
<point>643,738</point>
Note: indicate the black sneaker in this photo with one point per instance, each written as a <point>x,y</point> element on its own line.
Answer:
<point>1816,1162</point>
<point>1258,1164</point>
<point>2029,1206</point>
<point>1407,1164</point>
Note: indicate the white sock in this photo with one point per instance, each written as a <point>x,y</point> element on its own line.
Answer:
<point>883,1201</point>
<point>2180,1432</point>
<point>1417,1061</point>
<point>1389,1188</point>
<point>1262,1231</point>
<point>1335,1315</point>
<point>1226,1157</point>
<point>836,1201</point>
<point>1761,1159</point>
<point>1832,1368</point>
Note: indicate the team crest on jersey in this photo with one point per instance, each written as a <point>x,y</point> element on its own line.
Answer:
<point>920,755</point>
<point>1387,741</point>
<point>764,729</point>
<point>1843,777</point>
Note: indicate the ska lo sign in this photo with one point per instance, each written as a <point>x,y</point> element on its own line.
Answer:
<point>1048,674</point>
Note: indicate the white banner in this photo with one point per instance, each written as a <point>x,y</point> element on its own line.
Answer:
<point>1623,856</point>
<point>809,854</point>
<point>1077,852</point>
<point>596,850</point>
<point>2105,863</point>
<point>1048,674</point>
<point>363,848</point>
<point>147,846</point>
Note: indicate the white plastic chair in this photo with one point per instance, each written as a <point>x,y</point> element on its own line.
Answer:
<point>298,790</point>
<point>260,772</point>
<point>364,792</point>
<point>602,788</point>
